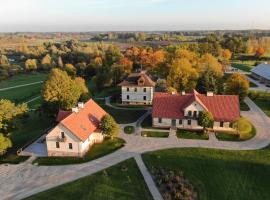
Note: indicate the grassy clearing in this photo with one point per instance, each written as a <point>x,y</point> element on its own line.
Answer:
<point>122,116</point>
<point>21,79</point>
<point>219,174</point>
<point>97,151</point>
<point>105,92</point>
<point>155,134</point>
<point>244,106</point>
<point>122,181</point>
<point>191,135</point>
<point>129,129</point>
<point>30,129</point>
<point>243,65</point>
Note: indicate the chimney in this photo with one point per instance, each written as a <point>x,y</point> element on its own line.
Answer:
<point>183,93</point>
<point>173,93</point>
<point>75,110</point>
<point>80,105</point>
<point>210,94</point>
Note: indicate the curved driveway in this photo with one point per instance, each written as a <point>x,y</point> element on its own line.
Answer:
<point>19,181</point>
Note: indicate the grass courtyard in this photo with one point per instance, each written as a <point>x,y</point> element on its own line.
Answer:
<point>122,182</point>
<point>197,135</point>
<point>219,174</point>
<point>261,99</point>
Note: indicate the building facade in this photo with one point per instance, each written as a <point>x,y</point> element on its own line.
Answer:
<point>182,110</point>
<point>262,73</point>
<point>137,88</point>
<point>76,131</point>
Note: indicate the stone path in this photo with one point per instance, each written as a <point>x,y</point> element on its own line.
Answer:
<point>20,181</point>
<point>148,178</point>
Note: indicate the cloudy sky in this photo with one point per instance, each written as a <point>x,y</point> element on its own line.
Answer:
<point>144,15</point>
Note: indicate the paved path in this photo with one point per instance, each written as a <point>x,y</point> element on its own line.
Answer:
<point>19,181</point>
<point>261,87</point>
<point>18,86</point>
<point>148,178</point>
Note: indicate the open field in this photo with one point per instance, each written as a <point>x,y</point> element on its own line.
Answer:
<point>122,181</point>
<point>219,174</point>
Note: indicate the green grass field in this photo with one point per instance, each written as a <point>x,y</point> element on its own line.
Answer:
<point>243,65</point>
<point>98,150</point>
<point>191,135</point>
<point>155,134</point>
<point>262,100</point>
<point>219,174</point>
<point>25,93</point>
<point>120,182</point>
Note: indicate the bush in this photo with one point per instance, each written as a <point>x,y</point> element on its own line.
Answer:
<point>129,129</point>
<point>244,128</point>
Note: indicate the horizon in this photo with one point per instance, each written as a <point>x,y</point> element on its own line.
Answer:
<point>138,15</point>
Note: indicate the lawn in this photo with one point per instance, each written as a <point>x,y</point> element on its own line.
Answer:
<point>97,151</point>
<point>253,85</point>
<point>244,106</point>
<point>122,182</point>
<point>22,79</point>
<point>29,130</point>
<point>105,92</point>
<point>122,116</point>
<point>155,134</point>
<point>243,65</point>
<point>129,129</point>
<point>262,100</point>
<point>197,135</point>
<point>219,174</point>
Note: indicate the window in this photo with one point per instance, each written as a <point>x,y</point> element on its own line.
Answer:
<point>190,113</point>
<point>127,96</point>
<point>62,135</point>
<point>144,98</point>
<point>189,122</point>
<point>127,89</point>
<point>221,124</point>
<point>159,120</point>
<point>231,125</point>
<point>195,114</point>
<point>135,89</point>
<point>57,145</point>
<point>180,122</point>
<point>70,145</point>
<point>144,89</point>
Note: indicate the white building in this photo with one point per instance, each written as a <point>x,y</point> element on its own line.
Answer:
<point>137,88</point>
<point>182,110</point>
<point>76,131</point>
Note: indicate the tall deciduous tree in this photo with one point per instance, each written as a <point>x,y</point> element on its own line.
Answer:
<point>31,64</point>
<point>237,84</point>
<point>60,91</point>
<point>46,62</point>
<point>205,120</point>
<point>182,75</point>
<point>5,143</point>
<point>109,126</point>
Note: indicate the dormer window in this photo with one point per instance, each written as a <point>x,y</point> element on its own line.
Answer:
<point>190,113</point>
<point>141,82</point>
<point>62,135</point>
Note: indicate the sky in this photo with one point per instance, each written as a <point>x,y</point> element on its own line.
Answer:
<point>132,15</point>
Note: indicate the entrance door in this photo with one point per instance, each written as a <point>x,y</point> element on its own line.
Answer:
<point>173,123</point>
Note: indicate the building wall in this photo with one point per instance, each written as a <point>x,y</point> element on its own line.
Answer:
<point>79,148</point>
<point>195,106</point>
<point>137,97</point>
<point>167,123</point>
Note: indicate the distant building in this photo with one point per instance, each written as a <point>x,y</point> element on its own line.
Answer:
<point>182,110</point>
<point>76,131</point>
<point>137,88</point>
<point>262,73</point>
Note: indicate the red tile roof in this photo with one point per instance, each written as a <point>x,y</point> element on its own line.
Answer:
<point>62,114</point>
<point>132,80</point>
<point>223,107</point>
<point>86,121</point>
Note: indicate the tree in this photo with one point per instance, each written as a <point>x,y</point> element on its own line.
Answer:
<point>205,120</point>
<point>171,90</point>
<point>182,75</point>
<point>31,64</point>
<point>80,82</point>
<point>60,91</point>
<point>46,62</point>
<point>9,112</point>
<point>70,69</point>
<point>108,126</point>
<point>226,54</point>
<point>60,62</point>
<point>4,61</point>
<point>237,84</point>
<point>5,143</point>
<point>260,52</point>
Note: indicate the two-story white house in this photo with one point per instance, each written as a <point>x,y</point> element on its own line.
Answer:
<point>182,110</point>
<point>76,131</point>
<point>137,88</point>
